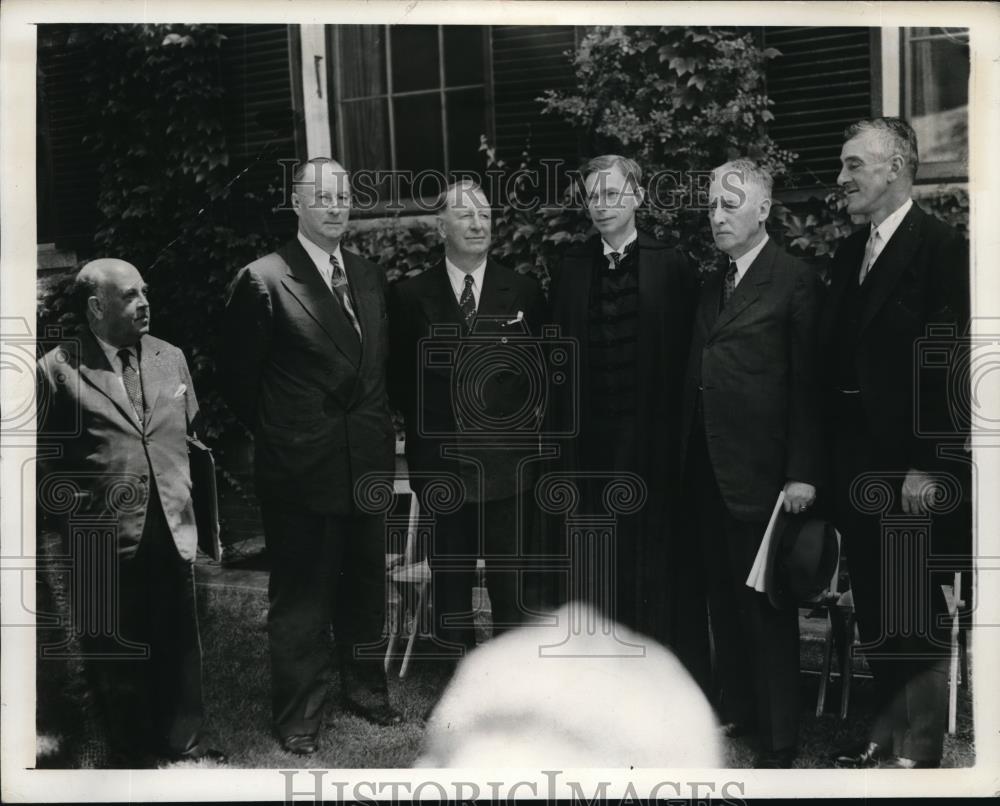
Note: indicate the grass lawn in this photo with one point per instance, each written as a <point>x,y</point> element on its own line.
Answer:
<point>237,697</point>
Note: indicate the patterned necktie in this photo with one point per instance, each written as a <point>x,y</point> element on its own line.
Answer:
<point>467,302</point>
<point>338,284</point>
<point>729,286</point>
<point>132,385</point>
<point>618,257</point>
<point>866,264</point>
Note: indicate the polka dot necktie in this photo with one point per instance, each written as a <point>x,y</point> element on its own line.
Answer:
<point>467,302</point>
<point>130,376</point>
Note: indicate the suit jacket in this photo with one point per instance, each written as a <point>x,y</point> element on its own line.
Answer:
<point>756,364</point>
<point>480,412</point>
<point>297,376</point>
<point>85,414</point>
<point>921,279</point>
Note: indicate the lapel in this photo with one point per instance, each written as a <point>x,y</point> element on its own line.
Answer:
<point>366,306</point>
<point>750,287</point>
<point>708,301</point>
<point>574,287</point>
<point>890,265</point>
<point>497,296</point>
<point>96,371</point>
<point>652,279</point>
<point>304,282</point>
<point>153,371</point>
<point>439,303</point>
<point>847,267</point>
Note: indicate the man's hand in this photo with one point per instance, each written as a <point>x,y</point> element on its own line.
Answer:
<point>919,489</point>
<point>798,496</point>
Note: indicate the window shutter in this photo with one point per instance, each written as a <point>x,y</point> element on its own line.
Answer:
<point>71,179</point>
<point>527,60</point>
<point>258,115</point>
<point>821,83</point>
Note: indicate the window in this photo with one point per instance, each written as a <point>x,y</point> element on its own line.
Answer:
<point>411,98</point>
<point>936,98</point>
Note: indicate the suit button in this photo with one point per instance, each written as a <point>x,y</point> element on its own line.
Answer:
<point>503,340</point>
<point>143,478</point>
<point>145,440</point>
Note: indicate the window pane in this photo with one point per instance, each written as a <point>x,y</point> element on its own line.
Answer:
<point>466,122</point>
<point>938,94</point>
<point>362,60</point>
<point>415,60</point>
<point>419,145</point>
<point>463,55</point>
<point>366,130</point>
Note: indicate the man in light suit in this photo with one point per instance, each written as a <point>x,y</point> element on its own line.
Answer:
<point>116,406</point>
<point>751,429</point>
<point>892,420</point>
<point>470,425</point>
<point>304,352</point>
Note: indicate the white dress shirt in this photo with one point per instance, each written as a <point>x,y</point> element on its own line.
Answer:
<point>457,279</point>
<point>608,248</point>
<point>321,258</point>
<point>744,261</point>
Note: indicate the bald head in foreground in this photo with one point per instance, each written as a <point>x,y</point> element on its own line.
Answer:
<point>508,705</point>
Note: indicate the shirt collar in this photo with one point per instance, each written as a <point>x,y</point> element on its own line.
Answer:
<point>112,352</point>
<point>608,248</point>
<point>320,257</point>
<point>457,277</point>
<point>743,262</point>
<point>888,227</point>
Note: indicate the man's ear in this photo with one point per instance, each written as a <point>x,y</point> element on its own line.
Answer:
<point>896,167</point>
<point>640,195</point>
<point>439,223</point>
<point>296,201</point>
<point>765,209</point>
<point>94,307</point>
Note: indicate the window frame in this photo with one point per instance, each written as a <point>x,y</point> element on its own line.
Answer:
<point>947,171</point>
<point>337,103</point>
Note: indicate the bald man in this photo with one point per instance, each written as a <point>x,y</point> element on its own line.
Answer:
<point>115,408</point>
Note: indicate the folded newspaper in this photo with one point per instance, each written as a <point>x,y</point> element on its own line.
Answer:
<point>758,572</point>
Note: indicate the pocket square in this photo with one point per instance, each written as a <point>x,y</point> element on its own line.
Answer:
<point>181,390</point>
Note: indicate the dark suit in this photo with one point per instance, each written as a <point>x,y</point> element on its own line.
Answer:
<point>314,397</point>
<point>649,587</point>
<point>486,417</point>
<point>869,338</point>
<point>751,423</point>
<point>131,505</point>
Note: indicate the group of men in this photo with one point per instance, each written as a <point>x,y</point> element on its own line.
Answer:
<point>715,396</point>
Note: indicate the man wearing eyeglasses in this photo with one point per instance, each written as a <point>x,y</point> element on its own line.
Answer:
<point>304,355</point>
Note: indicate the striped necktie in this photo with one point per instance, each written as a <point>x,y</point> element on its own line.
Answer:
<point>338,284</point>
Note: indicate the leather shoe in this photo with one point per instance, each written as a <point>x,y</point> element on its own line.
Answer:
<point>381,713</point>
<point>301,744</point>
<point>900,763</point>
<point>868,756</point>
<point>776,759</point>
<point>200,752</point>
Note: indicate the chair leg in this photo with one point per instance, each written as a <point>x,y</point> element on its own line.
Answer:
<point>847,665</point>
<point>418,617</point>
<point>824,677</point>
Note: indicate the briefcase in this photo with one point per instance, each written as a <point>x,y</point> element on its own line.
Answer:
<point>204,498</point>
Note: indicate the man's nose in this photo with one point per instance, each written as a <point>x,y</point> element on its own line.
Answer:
<point>715,214</point>
<point>842,177</point>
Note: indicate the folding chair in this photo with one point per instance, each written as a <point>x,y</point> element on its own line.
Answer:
<point>410,570</point>
<point>958,672</point>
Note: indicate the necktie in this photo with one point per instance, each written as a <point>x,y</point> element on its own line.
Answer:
<point>729,286</point>
<point>132,385</point>
<point>618,257</point>
<point>338,284</point>
<point>467,302</point>
<point>866,264</point>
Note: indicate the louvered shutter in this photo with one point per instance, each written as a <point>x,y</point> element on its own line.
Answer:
<point>821,83</point>
<point>259,120</point>
<point>67,178</point>
<point>527,60</point>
